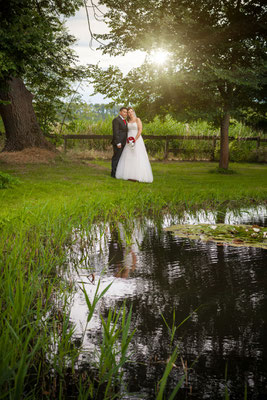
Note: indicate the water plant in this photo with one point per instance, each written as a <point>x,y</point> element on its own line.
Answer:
<point>44,217</point>
<point>167,371</point>
<point>233,235</point>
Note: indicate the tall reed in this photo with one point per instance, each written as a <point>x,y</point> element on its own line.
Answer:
<point>39,355</point>
<point>179,149</point>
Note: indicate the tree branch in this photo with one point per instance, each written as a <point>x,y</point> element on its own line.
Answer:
<point>92,36</point>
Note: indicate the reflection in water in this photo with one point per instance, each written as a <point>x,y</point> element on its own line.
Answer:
<point>122,258</point>
<point>249,216</point>
<point>160,273</point>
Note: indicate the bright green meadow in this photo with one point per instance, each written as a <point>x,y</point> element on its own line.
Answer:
<point>176,186</point>
<point>38,215</point>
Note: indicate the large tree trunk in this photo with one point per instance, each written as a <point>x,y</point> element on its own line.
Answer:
<point>21,126</point>
<point>224,149</point>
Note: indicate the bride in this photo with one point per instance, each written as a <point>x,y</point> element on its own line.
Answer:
<point>134,163</point>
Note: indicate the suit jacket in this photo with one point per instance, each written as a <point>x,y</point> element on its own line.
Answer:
<point>120,131</point>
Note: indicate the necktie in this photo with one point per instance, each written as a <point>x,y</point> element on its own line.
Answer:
<point>124,121</point>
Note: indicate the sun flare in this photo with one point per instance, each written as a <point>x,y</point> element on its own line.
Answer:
<point>159,56</point>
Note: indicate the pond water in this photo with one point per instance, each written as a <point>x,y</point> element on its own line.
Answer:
<point>221,288</point>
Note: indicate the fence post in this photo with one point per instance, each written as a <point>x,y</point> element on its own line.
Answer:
<point>65,144</point>
<point>213,148</point>
<point>166,149</point>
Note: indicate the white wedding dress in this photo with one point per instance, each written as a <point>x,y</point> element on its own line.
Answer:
<point>134,162</point>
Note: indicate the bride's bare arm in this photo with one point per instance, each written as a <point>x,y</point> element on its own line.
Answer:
<point>140,128</point>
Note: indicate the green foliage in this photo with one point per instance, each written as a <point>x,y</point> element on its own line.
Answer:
<point>114,348</point>
<point>181,149</point>
<point>91,305</point>
<point>257,118</point>
<point>7,180</point>
<point>244,151</point>
<point>236,235</point>
<point>36,47</point>
<point>241,153</point>
<point>31,323</point>
<point>163,381</point>
<point>88,119</point>
<point>172,330</point>
<point>92,112</point>
<point>103,127</point>
<point>38,351</point>
<point>31,33</point>
<point>238,129</point>
<point>217,57</point>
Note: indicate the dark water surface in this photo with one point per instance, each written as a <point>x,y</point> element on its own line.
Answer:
<point>160,273</point>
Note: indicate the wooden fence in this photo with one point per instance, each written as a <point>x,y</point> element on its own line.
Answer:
<point>168,139</point>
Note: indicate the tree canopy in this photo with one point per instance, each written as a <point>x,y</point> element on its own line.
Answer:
<point>217,56</point>
<point>216,49</point>
<point>35,48</point>
<point>32,36</point>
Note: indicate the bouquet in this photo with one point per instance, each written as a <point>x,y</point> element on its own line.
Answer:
<point>131,141</point>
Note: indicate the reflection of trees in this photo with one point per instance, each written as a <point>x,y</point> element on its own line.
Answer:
<point>182,275</point>
<point>179,274</point>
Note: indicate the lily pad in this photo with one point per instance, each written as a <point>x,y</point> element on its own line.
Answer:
<point>233,235</point>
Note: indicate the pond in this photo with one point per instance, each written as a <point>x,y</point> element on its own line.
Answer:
<point>221,288</point>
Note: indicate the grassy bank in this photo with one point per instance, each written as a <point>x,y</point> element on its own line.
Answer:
<point>37,217</point>
<point>176,186</point>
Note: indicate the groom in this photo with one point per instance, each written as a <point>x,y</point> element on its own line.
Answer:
<point>120,130</point>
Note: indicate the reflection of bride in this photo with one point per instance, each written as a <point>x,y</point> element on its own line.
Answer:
<point>122,255</point>
<point>134,163</point>
<point>130,265</point>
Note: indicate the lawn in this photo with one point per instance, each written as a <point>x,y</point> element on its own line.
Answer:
<point>176,186</point>
<point>38,218</point>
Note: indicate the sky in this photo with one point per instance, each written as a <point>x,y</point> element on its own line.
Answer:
<point>78,27</point>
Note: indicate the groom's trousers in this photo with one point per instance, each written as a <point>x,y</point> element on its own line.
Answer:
<point>115,159</point>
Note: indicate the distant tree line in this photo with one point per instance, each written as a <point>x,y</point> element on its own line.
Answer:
<point>93,112</point>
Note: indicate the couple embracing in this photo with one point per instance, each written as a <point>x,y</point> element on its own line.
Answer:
<point>130,160</point>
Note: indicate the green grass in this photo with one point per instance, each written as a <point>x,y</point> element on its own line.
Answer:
<point>7,180</point>
<point>37,218</point>
<point>176,186</point>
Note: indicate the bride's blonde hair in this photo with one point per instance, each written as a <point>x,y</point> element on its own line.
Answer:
<point>130,108</point>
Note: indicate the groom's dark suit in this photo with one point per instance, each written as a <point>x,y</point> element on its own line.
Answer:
<point>120,130</point>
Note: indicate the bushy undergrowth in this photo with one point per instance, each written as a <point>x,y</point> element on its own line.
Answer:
<point>37,348</point>
<point>168,126</point>
<point>7,180</point>
<point>178,149</point>
<point>244,151</point>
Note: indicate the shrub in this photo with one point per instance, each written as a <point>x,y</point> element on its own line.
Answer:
<point>243,151</point>
<point>180,149</point>
<point>7,180</point>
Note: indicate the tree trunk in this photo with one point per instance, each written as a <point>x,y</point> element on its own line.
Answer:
<point>224,149</point>
<point>21,126</point>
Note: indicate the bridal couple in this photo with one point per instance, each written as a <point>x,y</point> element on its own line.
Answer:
<point>130,160</point>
